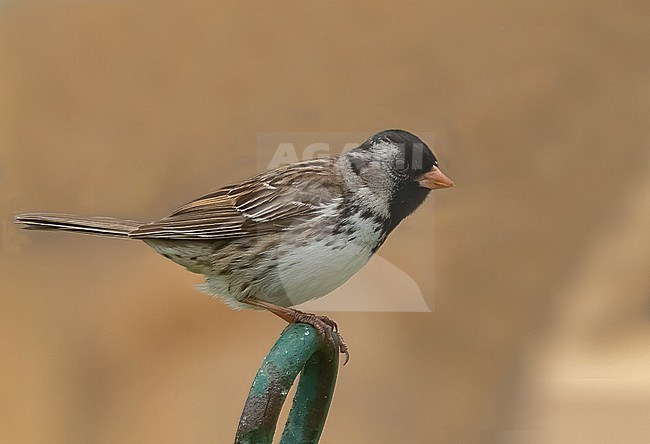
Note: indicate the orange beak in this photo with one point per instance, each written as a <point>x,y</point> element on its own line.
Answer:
<point>435,179</point>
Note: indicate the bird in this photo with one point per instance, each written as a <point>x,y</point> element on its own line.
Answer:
<point>290,234</point>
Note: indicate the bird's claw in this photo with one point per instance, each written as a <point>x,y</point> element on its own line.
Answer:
<point>326,329</point>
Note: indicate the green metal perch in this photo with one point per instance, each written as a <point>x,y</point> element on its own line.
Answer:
<point>298,350</point>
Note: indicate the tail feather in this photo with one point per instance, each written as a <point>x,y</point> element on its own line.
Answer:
<point>99,226</point>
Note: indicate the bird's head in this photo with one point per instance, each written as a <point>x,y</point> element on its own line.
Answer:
<point>398,168</point>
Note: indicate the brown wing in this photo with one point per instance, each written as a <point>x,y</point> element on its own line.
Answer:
<point>269,202</point>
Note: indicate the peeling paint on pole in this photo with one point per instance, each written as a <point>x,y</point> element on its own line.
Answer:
<point>298,349</point>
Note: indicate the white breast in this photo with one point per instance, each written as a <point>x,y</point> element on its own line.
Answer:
<point>314,270</point>
<point>305,268</point>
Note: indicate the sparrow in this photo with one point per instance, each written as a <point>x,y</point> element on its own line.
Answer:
<point>288,235</point>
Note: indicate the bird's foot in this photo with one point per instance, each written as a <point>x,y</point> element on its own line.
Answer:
<point>326,328</point>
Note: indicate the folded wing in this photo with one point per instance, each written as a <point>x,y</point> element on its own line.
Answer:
<point>270,202</point>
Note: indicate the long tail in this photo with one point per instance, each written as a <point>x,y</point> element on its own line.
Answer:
<point>99,226</point>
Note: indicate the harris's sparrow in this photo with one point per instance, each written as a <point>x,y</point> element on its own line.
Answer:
<point>288,235</point>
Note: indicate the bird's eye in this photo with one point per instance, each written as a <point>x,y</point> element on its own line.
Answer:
<point>401,165</point>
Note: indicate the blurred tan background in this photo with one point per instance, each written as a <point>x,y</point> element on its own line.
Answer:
<point>541,277</point>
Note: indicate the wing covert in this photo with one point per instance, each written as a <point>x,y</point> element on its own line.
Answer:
<point>270,202</point>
